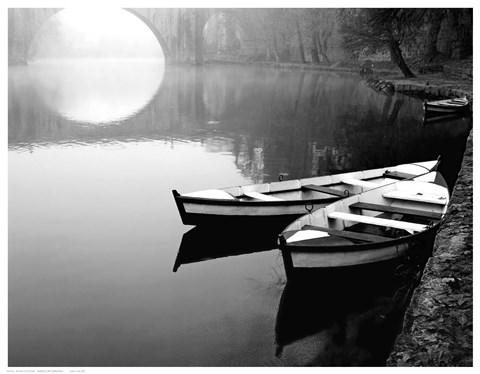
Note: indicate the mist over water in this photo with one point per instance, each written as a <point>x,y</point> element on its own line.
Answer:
<point>93,91</point>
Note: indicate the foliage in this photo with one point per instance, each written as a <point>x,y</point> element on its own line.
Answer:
<point>463,21</point>
<point>375,30</point>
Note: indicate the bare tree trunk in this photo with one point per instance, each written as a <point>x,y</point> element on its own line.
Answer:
<point>435,21</point>
<point>397,57</point>
<point>300,44</point>
<point>314,50</point>
<point>275,46</point>
<point>199,24</point>
<point>321,50</point>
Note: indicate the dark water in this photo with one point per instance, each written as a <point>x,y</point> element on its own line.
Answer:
<point>94,152</point>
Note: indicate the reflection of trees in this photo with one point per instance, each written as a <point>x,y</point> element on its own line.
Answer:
<point>369,134</point>
<point>250,158</point>
<point>272,121</point>
<point>222,34</point>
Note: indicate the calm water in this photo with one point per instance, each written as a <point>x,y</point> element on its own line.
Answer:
<point>94,152</point>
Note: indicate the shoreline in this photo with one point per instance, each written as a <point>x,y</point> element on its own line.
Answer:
<point>432,84</point>
<point>438,324</point>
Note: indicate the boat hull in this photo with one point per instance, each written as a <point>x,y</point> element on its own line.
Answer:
<point>198,211</point>
<point>298,258</point>
<point>445,109</point>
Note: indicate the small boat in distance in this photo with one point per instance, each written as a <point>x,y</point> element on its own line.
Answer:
<point>447,106</point>
<point>372,227</point>
<point>281,202</point>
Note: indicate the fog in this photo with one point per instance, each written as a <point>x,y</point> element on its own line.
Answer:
<point>105,34</point>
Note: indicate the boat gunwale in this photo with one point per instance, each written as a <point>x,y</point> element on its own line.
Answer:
<point>354,247</point>
<point>459,100</point>
<point>256,203</point>
<point>209,200</point>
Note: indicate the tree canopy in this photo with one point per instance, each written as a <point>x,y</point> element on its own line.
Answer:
<point>375,30</point>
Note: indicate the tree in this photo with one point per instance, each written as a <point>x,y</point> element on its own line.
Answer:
<point>300,43</point>
<point>463,23</point>
<point>380,29</point>
<point>433,18</point>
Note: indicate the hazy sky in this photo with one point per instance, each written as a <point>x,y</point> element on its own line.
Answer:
<point>78,32</point>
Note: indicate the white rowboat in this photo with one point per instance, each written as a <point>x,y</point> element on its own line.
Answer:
<point>285,201</point>
<point>446,106</point>
<point>375,226</point>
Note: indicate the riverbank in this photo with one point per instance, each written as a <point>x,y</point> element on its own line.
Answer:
<point>449,79</point>
<point>438,325</point>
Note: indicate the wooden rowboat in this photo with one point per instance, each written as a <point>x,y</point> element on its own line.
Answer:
<point>376,226</point>
<point>446,106</point>
<point>282,202</point>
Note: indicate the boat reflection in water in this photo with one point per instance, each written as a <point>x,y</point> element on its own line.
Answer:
<point>204,243</point>
<point>344,317</point>
<point>461,119</point>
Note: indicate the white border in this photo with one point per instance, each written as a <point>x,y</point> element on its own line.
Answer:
<point>177,4</point>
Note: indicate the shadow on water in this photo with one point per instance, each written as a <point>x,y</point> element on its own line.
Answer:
<point>326,317</point>
<point>209,243</point>
<point>350,316</point>
<point>433,118</point>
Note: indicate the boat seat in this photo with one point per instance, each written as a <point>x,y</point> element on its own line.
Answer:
<point>359,236</point>
<point>396,209</point>
<point>261,196</point>
<point>210,194</point>
<point>414,196</point>
<point>326,190</point>
<point>360,183</point>
<point>409,226</point>
<point>305,235</point>
<point>398,175</point>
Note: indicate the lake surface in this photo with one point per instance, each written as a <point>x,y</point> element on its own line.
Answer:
<point>94,152</point>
